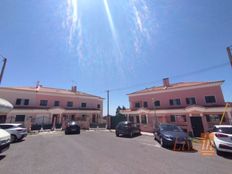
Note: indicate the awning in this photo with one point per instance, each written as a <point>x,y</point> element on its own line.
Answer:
<point>5,106</point>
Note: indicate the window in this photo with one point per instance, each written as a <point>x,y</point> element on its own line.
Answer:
<point>83,105</point>
<point>137,105</point>
<point>18,101</point>
<point>98,106</point>
<point>137,119</point>
<point>57,103</point>
<point>43,102</point>
<point>157,103</point>
<point>93,118</point>
<point>214,118</point>
<point>26,102</point>
<point>2,118</point>
<point>6,126</point>
<point>180,118</point>
<point>174,102</point>
<point>144,119</point>
<point>69,104</point>
<point>145,104</point>
<point>20,118</point>
<point>210,99</point>
<point>173,118</point>
<point>190,101</point>
<point>131,118</point>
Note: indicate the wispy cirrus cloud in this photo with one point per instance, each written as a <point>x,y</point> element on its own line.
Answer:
<point>141,17</point>
<point>74,27</point>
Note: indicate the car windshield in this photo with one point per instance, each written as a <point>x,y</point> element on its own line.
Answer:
<point>21,126</point>
<point>226,130</point>
<point>171,128</point>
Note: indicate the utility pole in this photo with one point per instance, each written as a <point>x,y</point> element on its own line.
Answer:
<point>229,54</point>
<point>108,105</point>
<point>3,68</point>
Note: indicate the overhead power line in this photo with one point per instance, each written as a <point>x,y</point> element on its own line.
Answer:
<point>202,70</point>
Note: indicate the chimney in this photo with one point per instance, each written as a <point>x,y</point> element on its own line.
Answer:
<point>166,82</point>
<point>74,89</point>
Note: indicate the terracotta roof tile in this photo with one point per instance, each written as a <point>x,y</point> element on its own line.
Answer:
<point>52,90</point>
<point>174,86</point>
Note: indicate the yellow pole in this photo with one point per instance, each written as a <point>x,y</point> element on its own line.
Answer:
<point>227,104</point>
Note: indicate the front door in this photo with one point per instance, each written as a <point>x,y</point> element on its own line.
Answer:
<point>197,126</point>
<point>54,121</point>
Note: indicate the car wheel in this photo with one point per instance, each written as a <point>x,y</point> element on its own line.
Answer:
<point>117,134</point>
<point>219,153</point>
<point>13,138</point>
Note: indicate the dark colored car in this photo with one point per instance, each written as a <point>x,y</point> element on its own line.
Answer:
<point>127,128</point>
<point>170,135</point>
<point>72,127</point>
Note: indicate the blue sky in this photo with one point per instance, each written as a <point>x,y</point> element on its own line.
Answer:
<point>121,45</point>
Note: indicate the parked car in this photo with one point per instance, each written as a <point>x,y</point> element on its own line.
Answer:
<point>16,130</point>
<point>221,137</point>
<point>72,127</point>
<point>4,140</point>
<point>169,135</point>
<point>127,128</point>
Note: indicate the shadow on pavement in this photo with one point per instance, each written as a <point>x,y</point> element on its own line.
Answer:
<point>126,136</point>
<point>19,141</point>
<point>178,149</point>
<point>2,157</point>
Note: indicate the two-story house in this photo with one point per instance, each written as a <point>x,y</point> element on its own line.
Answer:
<point>195,106</point>
<point>51,107</point>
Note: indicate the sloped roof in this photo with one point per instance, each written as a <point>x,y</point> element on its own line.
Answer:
<point>51,90</point>
<point>175,86</point>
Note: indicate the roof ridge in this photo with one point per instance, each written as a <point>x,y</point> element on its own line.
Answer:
<point>175,85</point>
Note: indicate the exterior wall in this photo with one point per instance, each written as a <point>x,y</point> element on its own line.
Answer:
<point>184,113</point>
<point>184,124</point>
<point>164,97</point>
<point>49,114</point>
<point>91,103</point>
<point>11,96</point>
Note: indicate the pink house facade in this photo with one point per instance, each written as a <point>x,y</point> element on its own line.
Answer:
<point>194,106</point>
<point>50,107</point>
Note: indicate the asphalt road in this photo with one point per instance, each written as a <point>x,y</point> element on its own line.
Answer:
<point>101,152</point>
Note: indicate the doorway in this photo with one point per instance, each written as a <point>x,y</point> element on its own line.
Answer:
<point>197,126</point>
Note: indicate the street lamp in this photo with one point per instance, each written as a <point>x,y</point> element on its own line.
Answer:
<point>3,67</point>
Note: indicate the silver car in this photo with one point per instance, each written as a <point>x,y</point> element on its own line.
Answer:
<point>16,130</point>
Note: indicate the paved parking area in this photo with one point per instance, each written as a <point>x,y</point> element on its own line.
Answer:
<point>100,152</point>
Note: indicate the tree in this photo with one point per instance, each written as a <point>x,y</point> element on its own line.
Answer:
<point>118,111</point>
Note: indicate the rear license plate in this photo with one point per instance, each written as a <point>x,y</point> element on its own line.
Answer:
<point>73,129</point>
